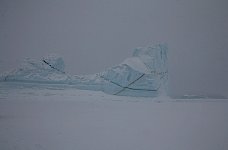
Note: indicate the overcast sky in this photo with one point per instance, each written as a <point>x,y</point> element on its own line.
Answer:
<point>92,35</point>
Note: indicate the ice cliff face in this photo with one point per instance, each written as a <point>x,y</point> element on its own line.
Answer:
<point>143,74</point>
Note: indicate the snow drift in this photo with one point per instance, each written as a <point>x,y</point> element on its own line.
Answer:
<point>143,74</point>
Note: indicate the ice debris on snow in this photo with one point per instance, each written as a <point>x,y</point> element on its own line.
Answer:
<point>143,74</point>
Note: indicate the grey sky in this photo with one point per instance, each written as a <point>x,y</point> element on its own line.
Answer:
<point>95,34</point>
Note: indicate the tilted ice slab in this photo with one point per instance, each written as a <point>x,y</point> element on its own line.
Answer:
<point>143,74</point>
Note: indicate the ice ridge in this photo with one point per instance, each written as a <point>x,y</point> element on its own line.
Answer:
<point>143,74</point>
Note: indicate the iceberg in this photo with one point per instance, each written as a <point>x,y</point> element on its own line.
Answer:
<point>144,74</point>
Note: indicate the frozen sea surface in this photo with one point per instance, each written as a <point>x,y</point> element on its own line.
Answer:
<point>48,117</point>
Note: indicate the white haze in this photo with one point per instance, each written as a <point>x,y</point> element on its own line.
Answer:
<point>92,35</point>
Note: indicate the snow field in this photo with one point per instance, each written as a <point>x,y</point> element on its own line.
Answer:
<point>59,118</point>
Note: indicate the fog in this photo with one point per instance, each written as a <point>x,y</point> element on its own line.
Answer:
<point>92,35</point>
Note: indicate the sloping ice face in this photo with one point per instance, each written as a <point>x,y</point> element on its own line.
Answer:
<point>143,74</point>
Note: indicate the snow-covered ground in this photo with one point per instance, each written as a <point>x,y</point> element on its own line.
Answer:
<point>55,117</point>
